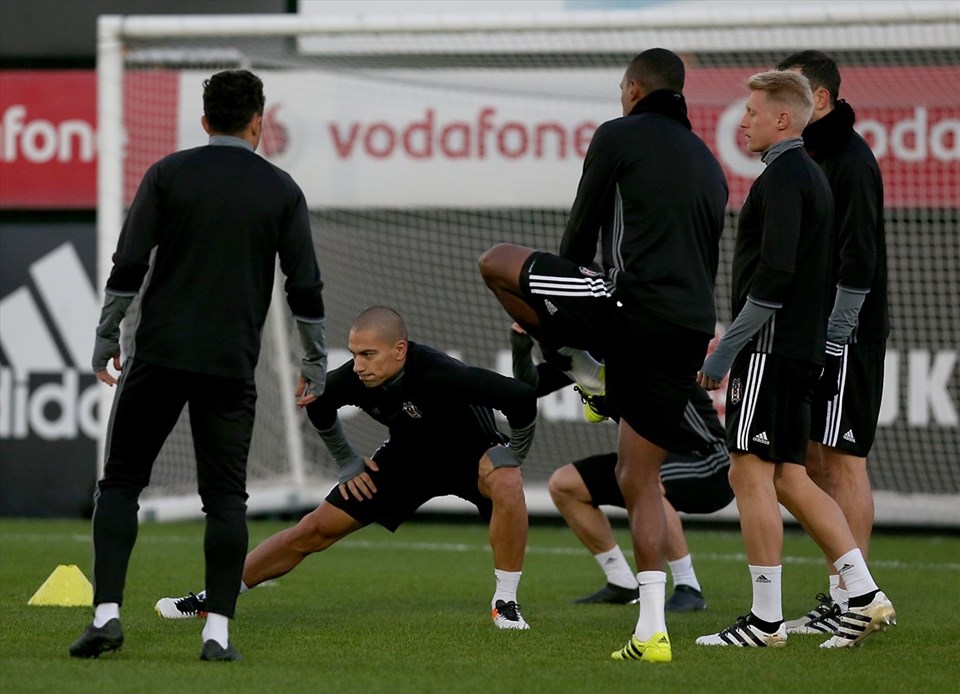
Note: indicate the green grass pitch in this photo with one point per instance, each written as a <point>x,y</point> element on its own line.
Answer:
<point>409,613</point>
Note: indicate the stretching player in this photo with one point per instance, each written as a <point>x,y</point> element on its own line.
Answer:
<point>693,479</point>
<point>845,413</point>
<point>776,345</point>
<point>443,440</point>
<point>654,196</point>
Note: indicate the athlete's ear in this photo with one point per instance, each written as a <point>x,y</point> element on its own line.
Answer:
<point>401,350</point>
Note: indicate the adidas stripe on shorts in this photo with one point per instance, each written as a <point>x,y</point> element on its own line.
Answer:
<point>768,406</point>
<point>651,365</point>
<point>848,421</point>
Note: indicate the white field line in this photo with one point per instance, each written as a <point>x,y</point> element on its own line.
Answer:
<point>463,548</point>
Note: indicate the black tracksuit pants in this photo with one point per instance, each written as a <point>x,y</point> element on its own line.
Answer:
<point>146,407</point>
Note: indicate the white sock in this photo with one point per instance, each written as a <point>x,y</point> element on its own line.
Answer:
<point>507,582</point>
<point>615,566</point>
<point>767,603</point>
<point>682,572</point>
<point>105,612</point>
<point>856,576</point>
<point>653,587</point>
<point>584,369</point>
<point>217,628</point>
<point>838,594</point>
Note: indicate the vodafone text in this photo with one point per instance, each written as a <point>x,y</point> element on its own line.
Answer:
<point>39,141</point>
<point>486,135</point>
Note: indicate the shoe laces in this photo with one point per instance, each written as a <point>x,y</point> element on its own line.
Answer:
<point>595,402</point>
<point>508,610</point>
<point>190,603</point>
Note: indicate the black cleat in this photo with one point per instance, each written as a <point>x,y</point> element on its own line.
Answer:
<point>213,651</point>
<point>95,641</point>
<point>611,594</point>
<point>685,599</point>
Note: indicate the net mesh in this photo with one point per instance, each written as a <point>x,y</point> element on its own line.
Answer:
<point>409,182</point>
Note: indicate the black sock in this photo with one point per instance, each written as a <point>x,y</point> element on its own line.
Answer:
<point>768,627</point>
<point>864,600</point>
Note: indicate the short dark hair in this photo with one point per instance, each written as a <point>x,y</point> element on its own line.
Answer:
<point>819,69</point>
<point>657,68</point>
<point>230,100</point>
<point>384,321</point>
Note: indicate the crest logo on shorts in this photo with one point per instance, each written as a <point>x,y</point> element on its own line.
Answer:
<point>588,272</point>
<point>735,391</point>
<point>550,307</point>
<point>412,410</point>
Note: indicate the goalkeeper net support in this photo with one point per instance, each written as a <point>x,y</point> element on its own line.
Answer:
<point>421,141</point>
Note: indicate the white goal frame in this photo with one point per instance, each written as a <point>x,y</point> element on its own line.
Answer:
<point>934,23</point>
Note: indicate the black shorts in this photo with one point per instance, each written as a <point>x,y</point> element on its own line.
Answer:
<point>848,422</point>
<point>768,406</point>
<point>694,485</point>
<point>406,481</point>
<point>651,365</point>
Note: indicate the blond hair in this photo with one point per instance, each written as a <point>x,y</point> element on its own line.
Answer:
<point>788,89</point>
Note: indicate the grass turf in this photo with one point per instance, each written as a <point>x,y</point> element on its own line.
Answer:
<point>409,613</point>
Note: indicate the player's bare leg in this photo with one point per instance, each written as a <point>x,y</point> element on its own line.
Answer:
<point>572,499</point>
<point>282,552</point>
<point>509,525</point>
<point>500,268</point>
<point>592,528</point>
<point>638,475</point>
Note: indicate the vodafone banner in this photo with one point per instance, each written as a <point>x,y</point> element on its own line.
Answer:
<point>517,138</point>
<point>48,140</point>
<point>477,138</point>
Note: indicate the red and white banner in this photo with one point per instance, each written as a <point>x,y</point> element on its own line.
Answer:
<point>442,138</point>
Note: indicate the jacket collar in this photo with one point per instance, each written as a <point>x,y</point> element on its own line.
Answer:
<point>666,102</point>
<point>829,134</point>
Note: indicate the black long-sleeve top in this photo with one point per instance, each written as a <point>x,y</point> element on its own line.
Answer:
<point>782,256</point>
<point>218,216</point>
<point>861,249</point>
<point>435,402</point>
<point>655,195</point>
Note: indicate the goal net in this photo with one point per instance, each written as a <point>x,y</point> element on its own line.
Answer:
<point>422,141</point>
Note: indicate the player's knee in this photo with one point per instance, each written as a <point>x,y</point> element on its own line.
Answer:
<point>505,484</point>
<point>563,483</point>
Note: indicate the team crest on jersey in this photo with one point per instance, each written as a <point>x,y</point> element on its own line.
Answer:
<point>588,272</point>
<point>412,410</point>
<point>735,391</point>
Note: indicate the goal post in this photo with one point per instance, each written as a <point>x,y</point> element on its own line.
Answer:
<point>420,141</point>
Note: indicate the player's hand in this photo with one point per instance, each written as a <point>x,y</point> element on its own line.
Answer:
<point>105,376</point>
<point>360,487</point>
<point>706,382</point>
<point>829,384</point>
<point>303,392</point>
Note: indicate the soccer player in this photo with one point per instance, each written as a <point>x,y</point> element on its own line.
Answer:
<point>654,194</point>
<point>443,440</point>
<point>693,480</point>
<point>781,270</point>
<point>217,217</point>
<point>845,411</point>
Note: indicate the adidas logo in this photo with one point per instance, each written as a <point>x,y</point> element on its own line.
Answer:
<point>762,438</point>
<point>845,567</point>
<point>663,639</point>
<point>550,307</point>
<point>762,579</point>
<point>849,436</point>
<point>48,330</point>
